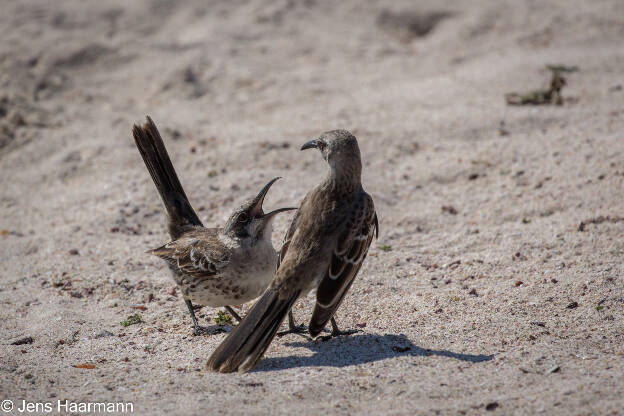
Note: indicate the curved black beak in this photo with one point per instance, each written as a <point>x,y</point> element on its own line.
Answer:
<point>277,211</point>
<point>256,203</point>
<point>312,144</point>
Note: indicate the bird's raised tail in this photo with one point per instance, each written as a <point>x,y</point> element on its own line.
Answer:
<point>246,344</point>
<point>156,158</point>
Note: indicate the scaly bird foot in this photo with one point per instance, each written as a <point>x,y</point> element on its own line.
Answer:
<point>300,330</point>
<point>203,330</point>
<point>297,329</point>
<point>336,332</point>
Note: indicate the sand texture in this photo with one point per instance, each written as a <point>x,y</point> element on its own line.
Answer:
<point>496,285</point>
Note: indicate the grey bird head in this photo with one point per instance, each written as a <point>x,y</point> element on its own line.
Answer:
<point>340,149</point>
<point>249,220</point>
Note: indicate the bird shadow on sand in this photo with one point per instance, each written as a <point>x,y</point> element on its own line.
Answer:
<point>360,349</point>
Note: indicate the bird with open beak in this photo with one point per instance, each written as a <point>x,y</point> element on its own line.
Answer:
<point>215,267</point>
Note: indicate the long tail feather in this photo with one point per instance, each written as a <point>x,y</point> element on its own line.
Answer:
<point>246,344</point>
<point>158,163</point>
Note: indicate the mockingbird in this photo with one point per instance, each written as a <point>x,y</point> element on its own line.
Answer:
<point>212,266</point>
<point>324,248</point>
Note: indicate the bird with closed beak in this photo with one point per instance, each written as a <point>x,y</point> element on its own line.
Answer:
<point>215,267</point>
<point>324,248</point>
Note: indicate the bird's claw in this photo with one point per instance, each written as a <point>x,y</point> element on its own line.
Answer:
<point>297,330</point>
<point>338,333</point>
<point>202,330</point>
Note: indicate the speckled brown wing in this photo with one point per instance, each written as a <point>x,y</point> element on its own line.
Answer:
<point>198,253</point>
<point>346,260</point>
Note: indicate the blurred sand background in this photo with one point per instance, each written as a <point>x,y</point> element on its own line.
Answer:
<point>483,293</point>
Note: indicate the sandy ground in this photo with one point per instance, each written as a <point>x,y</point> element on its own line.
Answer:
<point>482,294</point>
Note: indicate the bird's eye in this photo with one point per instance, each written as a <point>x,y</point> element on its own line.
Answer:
<point>321,145</point>
<point>243,217</point>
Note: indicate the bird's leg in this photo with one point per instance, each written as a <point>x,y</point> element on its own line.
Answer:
<point>197,330</point>
<point>233,313</point>
<point>336,332</point>
<point>293,328</point>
